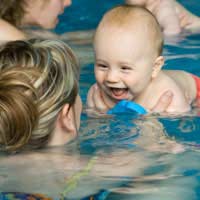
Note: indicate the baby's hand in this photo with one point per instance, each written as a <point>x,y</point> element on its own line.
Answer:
<point>95,101</point>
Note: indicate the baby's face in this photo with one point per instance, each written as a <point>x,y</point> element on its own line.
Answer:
<point>124,62</point>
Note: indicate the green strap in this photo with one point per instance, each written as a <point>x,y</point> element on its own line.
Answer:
<point>72,182</point>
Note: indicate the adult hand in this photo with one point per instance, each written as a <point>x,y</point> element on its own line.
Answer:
<point>163,102</point>
<point>95,103</point>
<point>196,103</point>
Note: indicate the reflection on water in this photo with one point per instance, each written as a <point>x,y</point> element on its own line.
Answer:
<point>117,157</point>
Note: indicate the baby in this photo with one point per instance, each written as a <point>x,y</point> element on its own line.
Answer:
<point>128,45</point>
<point>172,17</point>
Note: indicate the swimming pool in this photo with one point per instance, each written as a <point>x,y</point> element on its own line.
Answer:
<point>119,157</point>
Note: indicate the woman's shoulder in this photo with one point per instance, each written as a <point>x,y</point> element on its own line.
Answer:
<point>9,32</point>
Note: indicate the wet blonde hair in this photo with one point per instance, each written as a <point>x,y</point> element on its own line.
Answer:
<point>13,11</point>
<point>131,17</point>
<point>37,77</point>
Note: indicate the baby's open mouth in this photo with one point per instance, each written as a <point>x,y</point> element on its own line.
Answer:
<point>119,93</point>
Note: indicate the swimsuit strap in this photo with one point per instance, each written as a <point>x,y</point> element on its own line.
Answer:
<point>73,181</point>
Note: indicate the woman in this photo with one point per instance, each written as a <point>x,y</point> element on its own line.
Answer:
<point>15,14</point>
<point>39,101</point>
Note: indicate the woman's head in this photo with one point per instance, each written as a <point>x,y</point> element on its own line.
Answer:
<point>43,13</point>
<point>12,11</point>
<point>38,86</point>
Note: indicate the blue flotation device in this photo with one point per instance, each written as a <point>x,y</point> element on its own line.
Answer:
<point>125,106</point>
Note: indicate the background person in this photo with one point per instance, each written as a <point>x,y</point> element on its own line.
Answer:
<point>171,15</point>
<point>15,14</point>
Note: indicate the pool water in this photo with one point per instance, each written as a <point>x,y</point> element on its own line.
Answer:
<point>119,157</point>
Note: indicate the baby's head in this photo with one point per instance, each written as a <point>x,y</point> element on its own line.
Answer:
<point>136,22</point>
<point>128,38</point>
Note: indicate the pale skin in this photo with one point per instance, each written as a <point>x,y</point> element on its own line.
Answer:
<point>10,32</point>
<point>67,124</point>
<point>97,106</point>
<point>171,15</point>
<point>122,73</point>
<point>38,13</point>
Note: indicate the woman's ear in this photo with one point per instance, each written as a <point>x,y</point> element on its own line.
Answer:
<point>65,128</point>
<point>66,120</point>
<point>159,62</point>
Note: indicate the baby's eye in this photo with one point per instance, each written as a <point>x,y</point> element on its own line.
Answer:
<point>101,66</point>
<point>125,68</point>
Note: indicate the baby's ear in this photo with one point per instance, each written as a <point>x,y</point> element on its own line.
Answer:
<point>159,62</point>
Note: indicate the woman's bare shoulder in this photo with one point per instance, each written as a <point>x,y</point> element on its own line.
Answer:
<point>9,32</point>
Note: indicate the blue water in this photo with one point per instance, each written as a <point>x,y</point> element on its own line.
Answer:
<point>122,157</point>
<point>85,14</point>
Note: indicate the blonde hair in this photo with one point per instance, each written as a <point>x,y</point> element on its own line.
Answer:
<point>37,77</point>
<point>127,16</point>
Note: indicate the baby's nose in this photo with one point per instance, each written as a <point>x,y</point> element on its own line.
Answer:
<point>112,76</point>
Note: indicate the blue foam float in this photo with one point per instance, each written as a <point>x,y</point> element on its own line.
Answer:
<point>124,106</point>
